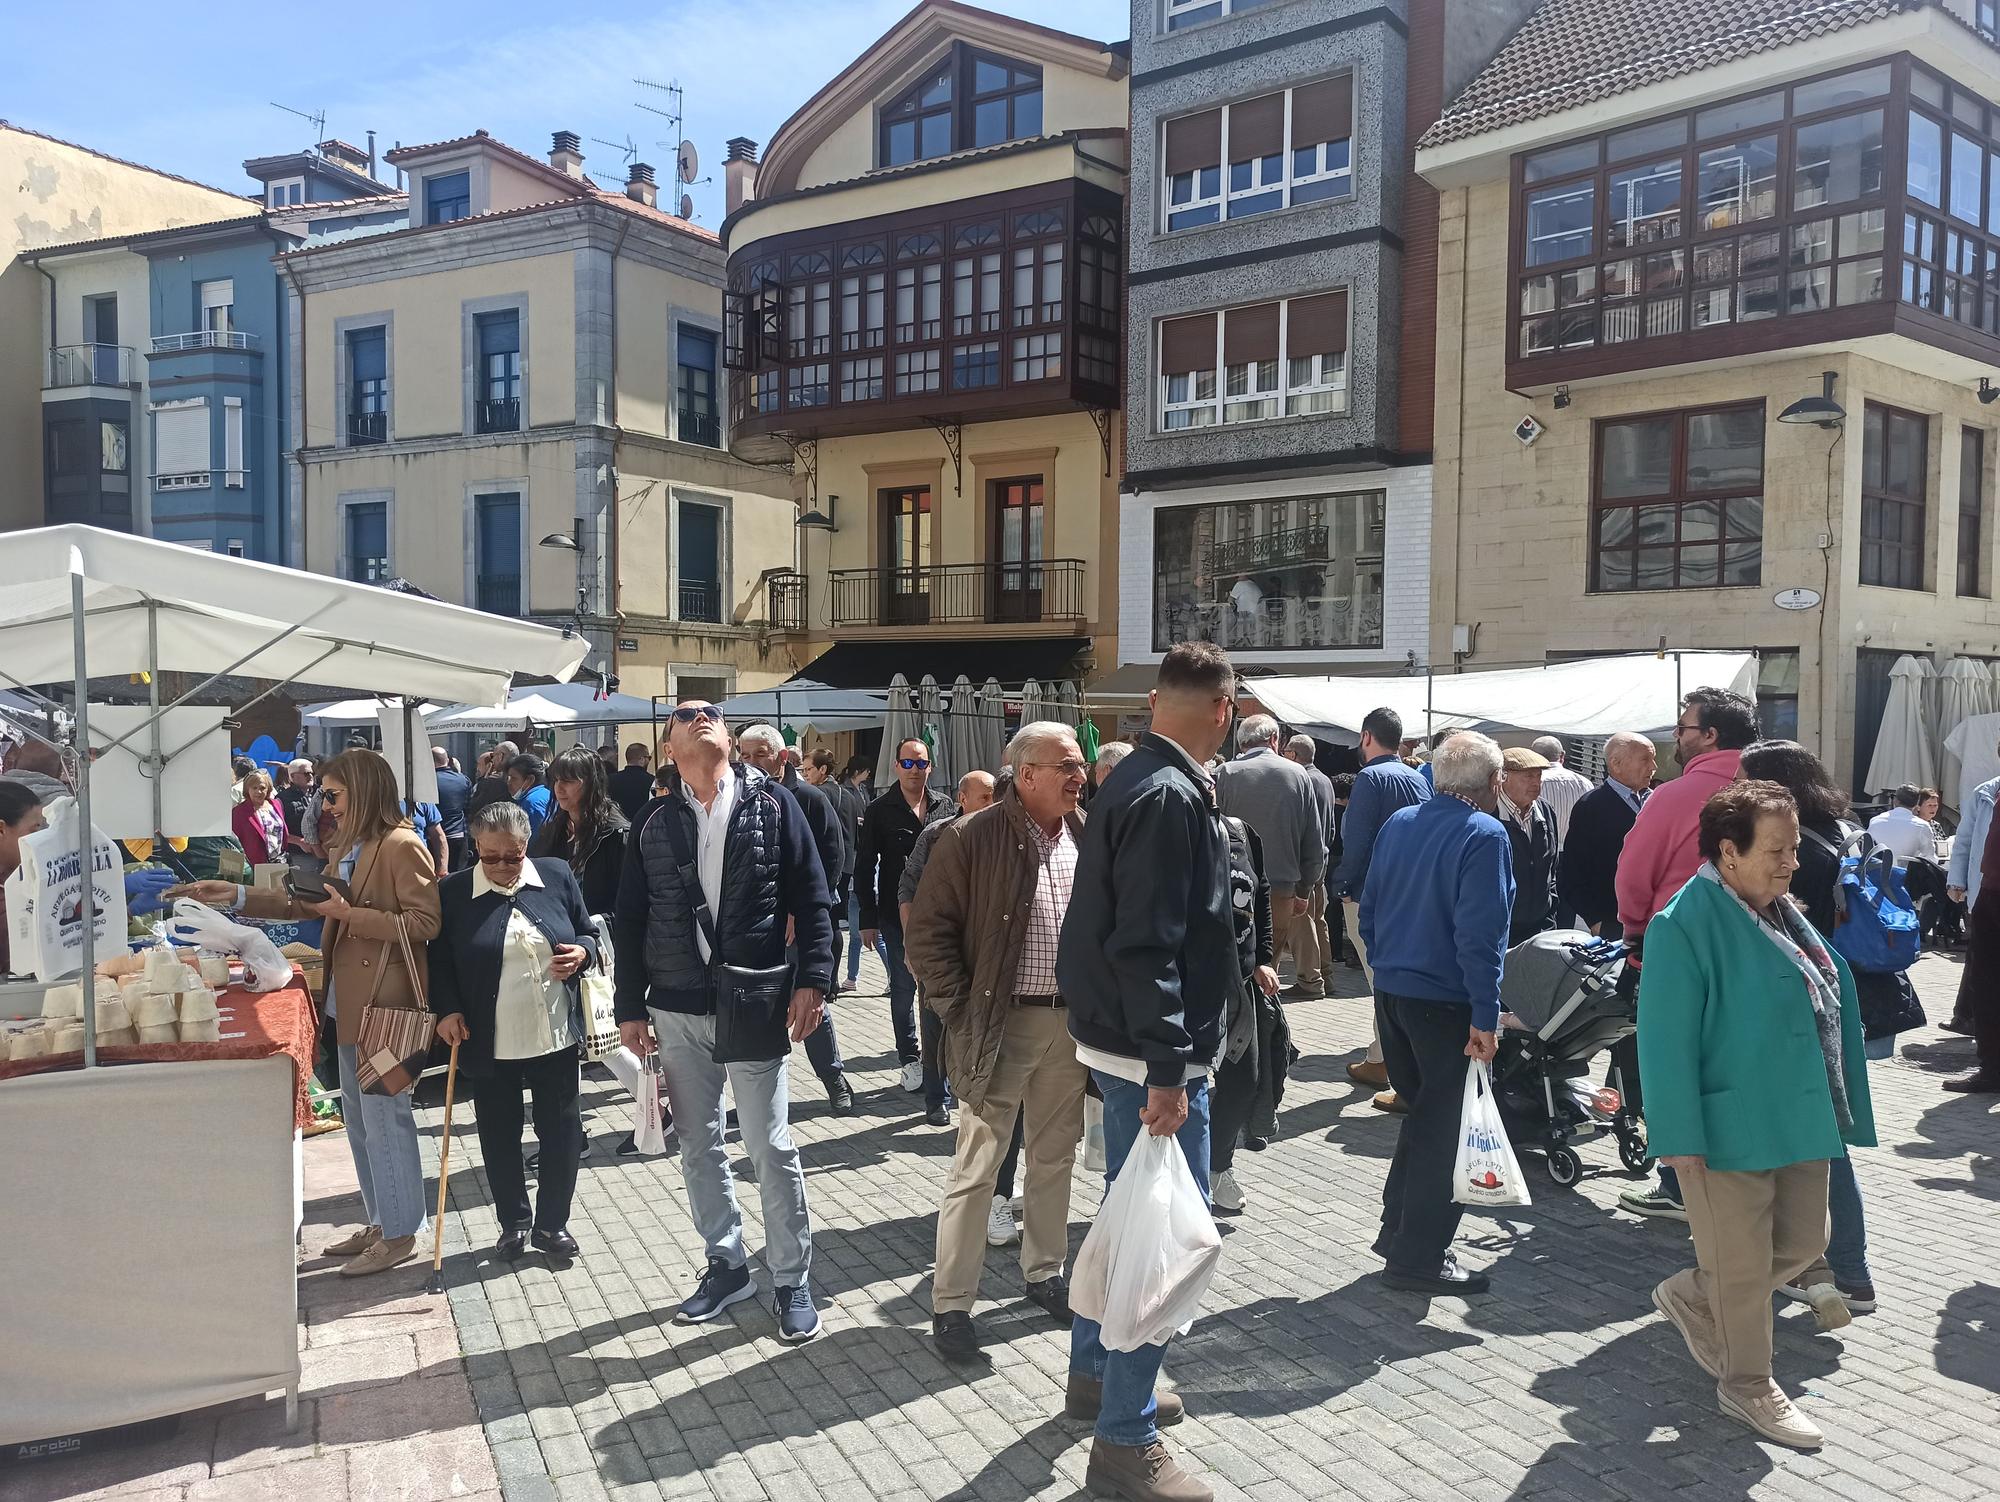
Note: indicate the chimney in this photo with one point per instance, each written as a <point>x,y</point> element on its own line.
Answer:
<point>371,156</point>
<point>739,173</point>
<point>641,186</point>
<point>566,152</point>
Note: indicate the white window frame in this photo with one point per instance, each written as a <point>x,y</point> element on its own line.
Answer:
<point>218,296</point>
<point>1271,396</point>
<point>1280,395</point>
<point>233,467</point>
<point>184,479</point>
<point>1225,195</point>
<point>234,547</point>
<point>277,193</point>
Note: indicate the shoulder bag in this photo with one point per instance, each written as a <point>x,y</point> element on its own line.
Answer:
<point>395,1042</point>
<point>752,1006</point>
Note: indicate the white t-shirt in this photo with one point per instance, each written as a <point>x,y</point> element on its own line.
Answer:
<point>1119,1067</point>
<point>711,829</point>
<point>1903,832</point>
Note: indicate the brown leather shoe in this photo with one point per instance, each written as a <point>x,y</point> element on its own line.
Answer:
<point>1374,1074</point>
<point>1141,1474</point>
<point>380,1257</point>
<point>1391,1102</point>
<point>355,1245</point>
<point>1085,1400</point>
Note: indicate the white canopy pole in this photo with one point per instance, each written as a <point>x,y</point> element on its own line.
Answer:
<point>86,845</point>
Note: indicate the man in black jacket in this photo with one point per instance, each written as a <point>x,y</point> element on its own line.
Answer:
<point>888,832</point>
<point>1531,830</point>
<point>764,748</point>
<point>1147,964</point>
<point>1586,880</point>
<point>732,841</point>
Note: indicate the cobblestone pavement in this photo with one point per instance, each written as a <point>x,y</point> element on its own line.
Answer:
<point>1304,1377</point>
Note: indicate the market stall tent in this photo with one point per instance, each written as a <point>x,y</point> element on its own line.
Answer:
<point>556,705</point>
<point>805,701</point>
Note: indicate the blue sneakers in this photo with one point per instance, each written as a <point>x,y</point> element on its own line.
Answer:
<point>798,1321</point>
<point>721,1286</point>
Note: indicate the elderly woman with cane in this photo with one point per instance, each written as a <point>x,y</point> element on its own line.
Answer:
<point>513,936</point>
<point>1750,1051</point>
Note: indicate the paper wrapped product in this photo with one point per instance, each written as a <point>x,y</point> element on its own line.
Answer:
<point>63,1001</point>
<point>201,1032</point>
<point>122,965</point>
<point>132,989</point>
<point>169,1032</point>
<point>112,1016</point>
<point>152,1010</point>
<point>197,1006</point>
<point>215,970</point>
<point>66,1036</point>
<point>163,968</point>
<point>122,1037</point>
<point>26,1040</point>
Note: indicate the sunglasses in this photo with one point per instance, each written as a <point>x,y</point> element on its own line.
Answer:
<point>503,860</point>
<point>911,763</point>
<point>688,714</point>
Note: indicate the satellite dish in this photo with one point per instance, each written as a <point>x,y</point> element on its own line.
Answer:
<point>687,206</point>
<point>687,162</point>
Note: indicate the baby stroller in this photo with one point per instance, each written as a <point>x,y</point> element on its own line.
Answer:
<point>1560,1008</point>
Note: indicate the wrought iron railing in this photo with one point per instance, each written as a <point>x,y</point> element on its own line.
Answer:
<point>368,427</point>
<point>787,603</point>
<point>944,594</point>
<point>87,365</point>
<point>497,415</point>
<point>1294,545</point>
<point>702,425</point>
<point>700,600</point>
<point>499,594</point>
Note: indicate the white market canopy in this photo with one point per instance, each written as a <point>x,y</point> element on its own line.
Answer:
<point>157,607</point>
<point>1594,696</point>
<point>350,714</point>
<point>803,701</point>
<point>556,705</point>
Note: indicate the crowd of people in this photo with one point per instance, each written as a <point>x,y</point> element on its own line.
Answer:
<point>1115,939</point>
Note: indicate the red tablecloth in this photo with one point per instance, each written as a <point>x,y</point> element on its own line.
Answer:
<point>254,1025</point>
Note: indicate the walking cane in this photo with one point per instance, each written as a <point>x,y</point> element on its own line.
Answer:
<point>436,1283</point>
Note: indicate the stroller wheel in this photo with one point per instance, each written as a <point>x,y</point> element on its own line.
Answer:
<point>1565,1167</point>
<point>1633,1154</point>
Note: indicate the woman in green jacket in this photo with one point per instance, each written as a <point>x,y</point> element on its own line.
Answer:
<point>1750,1053</point>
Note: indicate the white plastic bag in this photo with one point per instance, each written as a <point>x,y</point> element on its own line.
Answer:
<point>1146,1263</point>
<point>649,1132</point>
<point>1486,1172</point>
<point>198,924</point>
<point>45,897</point>
<point>1093,1135</point>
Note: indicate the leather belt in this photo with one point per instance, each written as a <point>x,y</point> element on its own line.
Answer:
<point>1040,1001</point>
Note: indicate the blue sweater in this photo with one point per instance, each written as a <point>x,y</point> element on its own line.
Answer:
<point>1435,911</point>
<point>1380,788</point>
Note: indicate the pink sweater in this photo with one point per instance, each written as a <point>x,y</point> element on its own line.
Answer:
<point>1662,851</point>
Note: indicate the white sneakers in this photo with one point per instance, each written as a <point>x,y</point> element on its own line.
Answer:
<point>913,1077</point>
<point>1224,1196</point>
<point>1000,1227</point>
<point>1772,1415</point>
<point>1830,1311</point>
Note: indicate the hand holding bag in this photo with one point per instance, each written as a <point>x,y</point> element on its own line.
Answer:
<point>1147,1261</point>
<point>394,1042</point>
<point>598,988</point>
<point>649,1130</point>
<point>1486,1172</point>
<point>752,1006</point>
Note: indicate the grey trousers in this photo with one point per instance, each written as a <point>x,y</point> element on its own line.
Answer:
<point>694,1084</point>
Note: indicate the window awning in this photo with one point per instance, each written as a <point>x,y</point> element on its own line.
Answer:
<point>871,664</point>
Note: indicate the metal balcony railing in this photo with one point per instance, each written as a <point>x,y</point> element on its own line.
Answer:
<point>166,344</point>
<point>787,605</point>
<point>945,594</point>
<point>87,365</point>
<point>702,425</point>
<point>499,594</point>
<point>700,600</point>
<point>368,427</point>
<point>497,415</point>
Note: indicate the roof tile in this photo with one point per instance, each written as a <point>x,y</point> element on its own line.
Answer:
<point>1574,52</point>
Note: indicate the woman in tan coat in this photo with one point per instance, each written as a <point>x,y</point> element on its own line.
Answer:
<point>389,872</point>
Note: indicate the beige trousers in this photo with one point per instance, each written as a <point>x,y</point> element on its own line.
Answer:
<point>1310,941</point>
<point>1037,1074</point>
<point>1753,1233</point>
<point>1352,910</point>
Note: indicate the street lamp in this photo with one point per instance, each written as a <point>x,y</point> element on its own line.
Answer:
<point>565,542</point>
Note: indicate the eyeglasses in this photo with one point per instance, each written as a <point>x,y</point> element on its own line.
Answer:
<point>503,860</point>
<point>1695,729</point>
<point>911,763</point>
<point>688,714</point>
<point>1069,766</point>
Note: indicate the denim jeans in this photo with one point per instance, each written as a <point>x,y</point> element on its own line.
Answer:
<point>911,1045</point>
<point>382,1136</point>
<point>1847,1247</point>
<point>694,1084</point>
<point>1126,1416</point>
<point>854,934</point>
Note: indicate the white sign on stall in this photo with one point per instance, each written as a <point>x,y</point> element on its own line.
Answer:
<point>407,744</point>
<point>194,784</point>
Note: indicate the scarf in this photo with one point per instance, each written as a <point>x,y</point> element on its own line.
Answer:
<point>1798,943</point>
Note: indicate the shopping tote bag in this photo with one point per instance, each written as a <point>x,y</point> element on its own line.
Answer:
<point>1144,1266</point>
<point>649,1132</point>
<point>1487,1172</point>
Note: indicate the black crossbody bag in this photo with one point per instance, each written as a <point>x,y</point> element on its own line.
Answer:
<point>752,1007</point>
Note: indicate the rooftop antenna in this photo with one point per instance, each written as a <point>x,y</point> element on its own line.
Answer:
<point>627,148</point>
<point>318,120</point>
<point>686,161</point>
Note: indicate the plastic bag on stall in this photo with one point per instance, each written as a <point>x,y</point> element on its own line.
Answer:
<point>45,897</point>
<point>1487,1173</point>
<point>198,924</point>
<point>1146,1263</point>
<point>649,1130</point>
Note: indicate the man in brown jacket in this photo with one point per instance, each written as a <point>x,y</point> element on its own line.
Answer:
<point>982,940</point>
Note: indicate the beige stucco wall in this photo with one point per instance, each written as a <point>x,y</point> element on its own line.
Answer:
<point>51,194</point>
<point>1071,100</point>
<point>426,375</point>
<point>1510,536</point>
<point>653,480</point>
<point>651,302</point>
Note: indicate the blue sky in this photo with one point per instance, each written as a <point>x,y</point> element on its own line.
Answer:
<point>189,89</point>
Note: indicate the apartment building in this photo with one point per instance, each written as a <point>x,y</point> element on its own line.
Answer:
<point>513,404</point>
<point>1717,327</point>
<point>1279,349</point>
<point>923,322</point>
<point>58,193</point>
